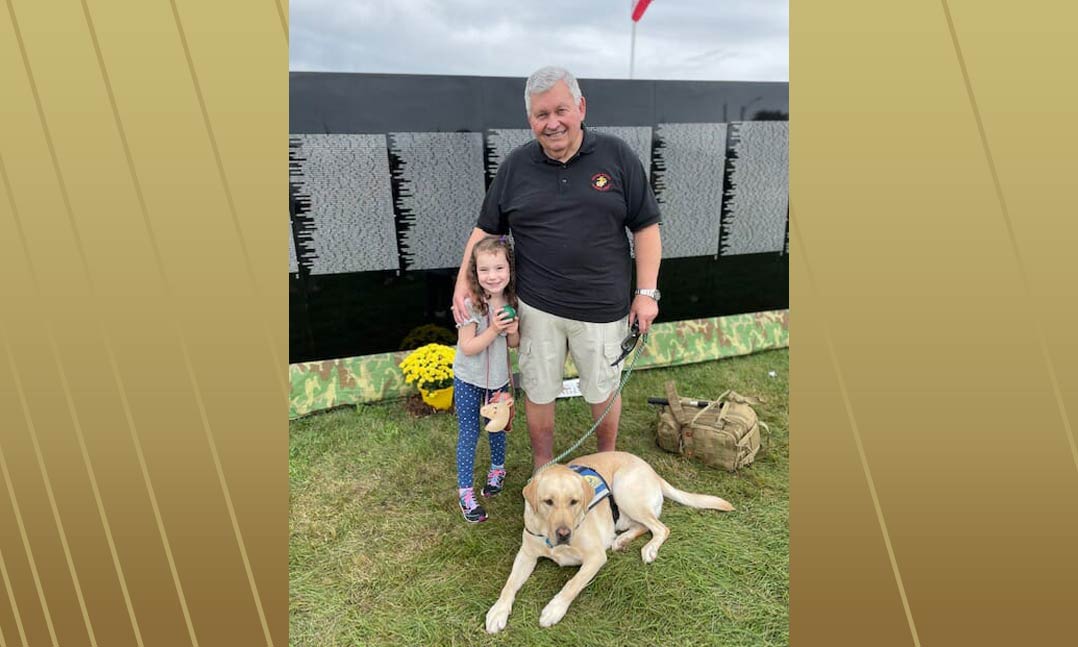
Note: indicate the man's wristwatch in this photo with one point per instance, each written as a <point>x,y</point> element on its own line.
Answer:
<point>654,294</point>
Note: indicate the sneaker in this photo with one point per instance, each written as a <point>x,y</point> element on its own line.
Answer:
<point>473,512</point>
<point>495,480</point>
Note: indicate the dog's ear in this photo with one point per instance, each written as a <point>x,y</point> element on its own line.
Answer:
<point>589,493</point>
<point>531,493</point>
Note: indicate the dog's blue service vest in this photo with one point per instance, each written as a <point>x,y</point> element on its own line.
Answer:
<point>602,490</point>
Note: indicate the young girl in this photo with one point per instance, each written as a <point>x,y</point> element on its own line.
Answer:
<point>481,365</point>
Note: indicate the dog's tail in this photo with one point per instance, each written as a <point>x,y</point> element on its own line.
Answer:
<point>694,500</point>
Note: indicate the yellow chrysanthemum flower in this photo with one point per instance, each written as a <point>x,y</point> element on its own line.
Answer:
<point>429,367</point>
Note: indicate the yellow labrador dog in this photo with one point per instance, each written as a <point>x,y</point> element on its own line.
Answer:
<point>569,518</point>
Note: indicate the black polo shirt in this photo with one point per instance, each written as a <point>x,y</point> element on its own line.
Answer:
<point>568,222</point>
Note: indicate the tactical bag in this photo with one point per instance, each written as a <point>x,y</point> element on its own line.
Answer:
<point>725,433</point>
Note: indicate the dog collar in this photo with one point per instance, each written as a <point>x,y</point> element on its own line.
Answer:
<point>543,537</point>
<point>547,539</point>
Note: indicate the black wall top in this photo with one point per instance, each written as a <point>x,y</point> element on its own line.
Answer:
<point>334,103</point>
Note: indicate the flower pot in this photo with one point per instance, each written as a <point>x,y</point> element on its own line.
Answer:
<point>441,399</point>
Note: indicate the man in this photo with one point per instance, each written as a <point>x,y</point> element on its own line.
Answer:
<point>567,197</point>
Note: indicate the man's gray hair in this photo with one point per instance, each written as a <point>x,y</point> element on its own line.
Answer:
<point>545,78</point>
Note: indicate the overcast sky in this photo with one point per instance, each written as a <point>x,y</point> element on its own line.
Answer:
<point>707,40</point>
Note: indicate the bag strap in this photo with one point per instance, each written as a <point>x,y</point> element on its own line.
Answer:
<point>719,400</point>
<point>722,411</point>
<point>508,364</point>
<point>743,399</point>
<point>674,402</point>
<point>767,446</point>
<point>509,370</point>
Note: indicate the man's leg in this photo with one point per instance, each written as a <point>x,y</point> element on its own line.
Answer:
<point>607,431</point>
<point>541,431</point>
<point>542,363</point>
<point>594,347</point>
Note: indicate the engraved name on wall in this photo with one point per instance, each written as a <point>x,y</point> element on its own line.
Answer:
<point>344,182</point>
<point>758,206</point>
<point>441,190</point>
<point>689,164</point>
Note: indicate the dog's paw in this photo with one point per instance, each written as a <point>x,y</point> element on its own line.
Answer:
<point>553,613</point>
<point>497,617</point>
<point>649,552</point>
<point>620,542</point>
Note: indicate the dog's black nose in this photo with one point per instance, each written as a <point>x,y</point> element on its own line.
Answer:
<point>563,535</point>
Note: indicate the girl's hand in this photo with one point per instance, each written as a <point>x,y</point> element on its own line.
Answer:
<point>513,327</point>
<point>499,321</point>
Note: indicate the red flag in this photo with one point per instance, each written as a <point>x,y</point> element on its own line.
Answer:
<point>638,10</point>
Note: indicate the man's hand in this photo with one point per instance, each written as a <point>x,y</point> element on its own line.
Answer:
<point>460,311</point>
<point>648,246</point>
<point>643,312</point>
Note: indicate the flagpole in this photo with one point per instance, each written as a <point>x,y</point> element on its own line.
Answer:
<point>636,10</point>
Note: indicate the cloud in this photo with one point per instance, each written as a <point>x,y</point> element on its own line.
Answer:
<point>735,40</point>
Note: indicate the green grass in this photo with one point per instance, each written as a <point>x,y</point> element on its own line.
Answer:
<point>379,554</point>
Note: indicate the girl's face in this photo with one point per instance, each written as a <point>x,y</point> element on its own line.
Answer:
<point>493,271</point>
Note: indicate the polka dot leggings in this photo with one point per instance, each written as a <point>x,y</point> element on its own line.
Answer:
<point>468,398</point>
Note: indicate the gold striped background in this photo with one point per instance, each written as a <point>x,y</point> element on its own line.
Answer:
<point>144,330</point>
<point>143,434</point>
<point>934,476</point>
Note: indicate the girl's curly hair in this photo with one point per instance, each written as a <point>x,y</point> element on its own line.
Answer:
<point>486,246</point>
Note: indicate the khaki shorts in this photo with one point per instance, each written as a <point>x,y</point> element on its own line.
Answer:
<point>544,339</point>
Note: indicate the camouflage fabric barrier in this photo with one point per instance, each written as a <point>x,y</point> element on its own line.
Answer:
<point>354,380</point>
<point>316,386</point>
<point>700,340</point>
